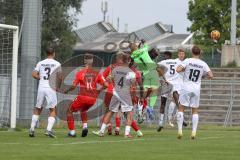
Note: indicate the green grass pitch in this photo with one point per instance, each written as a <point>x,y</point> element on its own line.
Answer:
<point>212,143</point>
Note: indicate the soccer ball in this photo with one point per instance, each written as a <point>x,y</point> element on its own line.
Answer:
<point>215,35</point>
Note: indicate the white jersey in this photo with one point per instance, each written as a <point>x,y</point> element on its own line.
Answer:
<point>171,75</point>
<point>179,62</point>
<point>45,68</point>
<point>194,70</point>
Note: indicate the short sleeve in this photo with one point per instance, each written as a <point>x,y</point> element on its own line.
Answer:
<point>131,76</point>
<point>77,78</point>
<point>184,63</point>
<point>206,68</point>
<point>37,68</point>
<point>106,72</point>
<point>161,63</point>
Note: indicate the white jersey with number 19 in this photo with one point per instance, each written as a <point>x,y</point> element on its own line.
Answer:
<point>194,70</point>
<point>45,68</point>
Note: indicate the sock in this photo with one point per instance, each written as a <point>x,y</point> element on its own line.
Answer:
<point>51,121</point>
<point>127,130</point>
<point>161,119</point>
<point>171,108</point>
<point>70,122</point>
<point>118,122</point>
<point>195,119</point>
<point>34,121</point>
<point>72,132</point>
<point>180,121</point>
<point>84,125</point>
<point>103,127</point>
<point>153,100</point>
<point>134,126</point>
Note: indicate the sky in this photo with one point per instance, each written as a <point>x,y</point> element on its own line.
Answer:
<point>137,13</point>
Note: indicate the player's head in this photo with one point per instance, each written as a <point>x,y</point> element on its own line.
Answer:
<point>133,46</point>
<point>167,55</point>
<point>181,54</point>
<point>50,52</point>
<point>153,53</point>
<point>196,51</point>
<point>88,59</point>
<point>122,58</point>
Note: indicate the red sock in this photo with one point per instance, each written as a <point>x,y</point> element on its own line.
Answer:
<point>70,122</point>
<point>118,121</point>
<point>135,126</point>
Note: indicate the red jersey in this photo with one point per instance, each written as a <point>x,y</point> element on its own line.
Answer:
<point>88,78</point>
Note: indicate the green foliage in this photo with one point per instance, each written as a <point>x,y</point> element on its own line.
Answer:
<point>57,25</point>
<point>208,15</point>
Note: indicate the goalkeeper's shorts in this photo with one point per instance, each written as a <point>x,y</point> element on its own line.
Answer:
<point>151,80</point>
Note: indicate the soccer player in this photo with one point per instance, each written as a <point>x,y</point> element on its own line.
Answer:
<point>87,79</point>
<point>150,75</point>
<point>108,96</point>
<point>123,78</point>
<point>173,78</point>
<point>194,69</point>
<point>42,72</point>
<point>172,105</point>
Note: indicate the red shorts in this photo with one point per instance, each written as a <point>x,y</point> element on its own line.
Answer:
<point>82,103</point>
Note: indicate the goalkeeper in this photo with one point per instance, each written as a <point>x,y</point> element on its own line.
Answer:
<point>149,71</point>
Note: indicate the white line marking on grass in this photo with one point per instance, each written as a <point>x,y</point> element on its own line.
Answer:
<point>93,142</point>
<point>206,138</point>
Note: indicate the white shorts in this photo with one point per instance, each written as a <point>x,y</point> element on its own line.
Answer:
<point>118,104</point>
<point>175,87</point>
<point>189,99</point>
<point>47,94</point>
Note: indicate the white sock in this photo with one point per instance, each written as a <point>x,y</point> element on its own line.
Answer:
<point>171,108</point>
<point>117,128</point>
<point>127,130</point>
<point>103,127</point>
<point>72,132</point>
<point>34,121</point>
<point>195,119</point>
<point>180,121</point>
<point>51,121</point>
<point>161,119</point>
<point>84,125</point>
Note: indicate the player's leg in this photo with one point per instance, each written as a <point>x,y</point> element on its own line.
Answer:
<point>128,116</point>
<point>35,117</point>
<point>171,109</point>
<point>107,100</point>
<point>88,103</point>
<point>74,107</point>
<point>136,128</point>
<point>51,98</point>
<point>184,100</point>
<point>113,108</point>
<point>195,119</point>
<point>106,120</point>
<point>118,123</point>
<point>36,112</point>
<point>84,118</point>
<point>194,104</point>
<point>176,99</point>
<point>162,110</point>
<point>180,118</point>
<point>51,122</point>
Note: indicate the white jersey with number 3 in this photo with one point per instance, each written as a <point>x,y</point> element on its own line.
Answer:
<point>194,70</point>
<point>45,68</point>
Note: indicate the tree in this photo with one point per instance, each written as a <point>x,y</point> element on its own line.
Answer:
<point>57,24</point>
<point>208,15</point>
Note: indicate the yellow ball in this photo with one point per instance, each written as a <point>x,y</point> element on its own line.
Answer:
<point>215,35</point>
